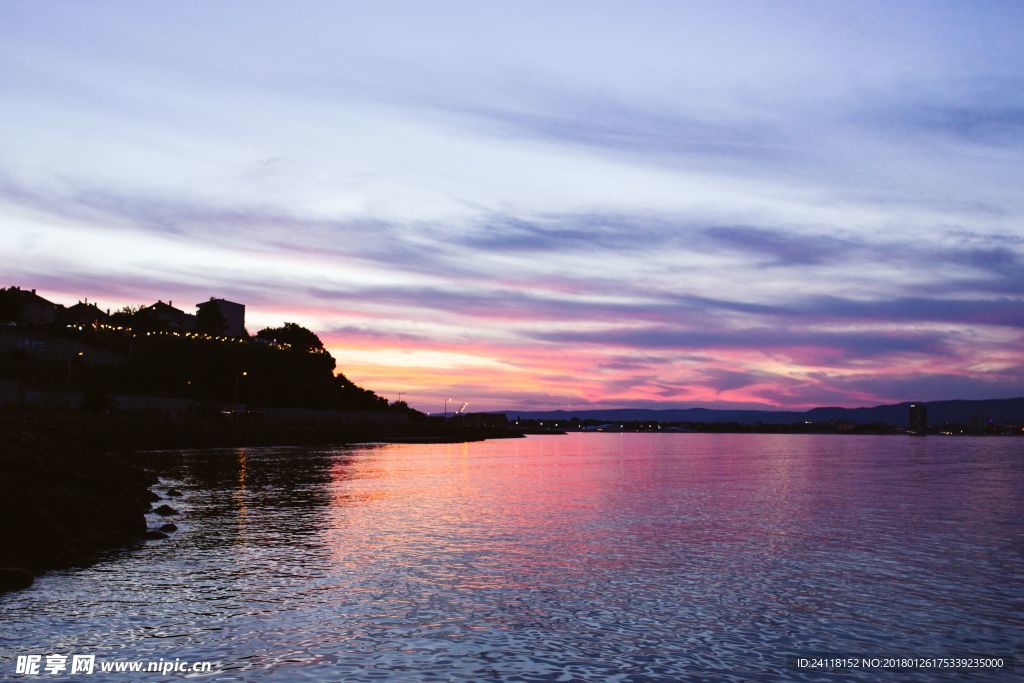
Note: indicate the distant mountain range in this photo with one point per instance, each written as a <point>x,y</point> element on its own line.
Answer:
<point>1005,410</point>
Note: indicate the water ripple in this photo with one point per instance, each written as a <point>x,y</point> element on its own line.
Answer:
<point>588,557</point>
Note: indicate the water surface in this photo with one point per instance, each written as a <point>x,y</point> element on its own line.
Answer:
<point>587,557</point>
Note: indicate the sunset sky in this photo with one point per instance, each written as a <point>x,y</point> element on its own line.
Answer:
<point>542,205</point>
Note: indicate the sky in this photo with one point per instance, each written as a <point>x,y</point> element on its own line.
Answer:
<point>534,205</point>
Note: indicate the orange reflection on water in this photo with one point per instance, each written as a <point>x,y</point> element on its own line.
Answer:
<point>239,496</point>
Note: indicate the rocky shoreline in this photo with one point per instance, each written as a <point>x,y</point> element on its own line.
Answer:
<point>61,505</point>
<point>71,489</point>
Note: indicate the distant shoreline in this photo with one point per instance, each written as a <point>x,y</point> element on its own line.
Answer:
<point>945,417</point>
<point>729,428</point>
<point>938,435</point>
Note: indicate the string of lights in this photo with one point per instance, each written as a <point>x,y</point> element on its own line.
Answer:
<point>201,336</point>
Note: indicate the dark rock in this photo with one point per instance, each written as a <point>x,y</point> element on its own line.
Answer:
<point>13,578</point>
<point>173,492</point>
<point>63,502</point>
<point>168,527</point>
<point>151,497</point>
<point>153,534</point>
<point>165,511</point>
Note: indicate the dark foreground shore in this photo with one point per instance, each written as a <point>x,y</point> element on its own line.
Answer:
<point>71,489</point>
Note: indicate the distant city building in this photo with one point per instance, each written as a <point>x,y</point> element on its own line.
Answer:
<point>978,424</point>
<point>166,315</point>
<point>29,308</point>
<point>918,423</point>
<point>82,313</point>
<point>845,425</point>
<point>231,313</point>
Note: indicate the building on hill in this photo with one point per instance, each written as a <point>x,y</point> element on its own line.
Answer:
<point>231,313</point>
<point>25,307</point>
<point>82,313</point>
<point>164,315</point>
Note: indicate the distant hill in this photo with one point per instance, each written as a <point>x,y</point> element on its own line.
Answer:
<point>1006,410</point>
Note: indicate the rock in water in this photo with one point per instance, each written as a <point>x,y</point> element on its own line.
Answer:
<point>165,511</point>
<point>12,578</point>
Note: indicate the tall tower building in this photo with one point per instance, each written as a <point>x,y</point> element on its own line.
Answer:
<point>918,423</point>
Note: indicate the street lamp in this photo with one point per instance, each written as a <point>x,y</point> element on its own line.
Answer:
<point>80,354</point>
<point>245,373</point>
<point>446,406</point>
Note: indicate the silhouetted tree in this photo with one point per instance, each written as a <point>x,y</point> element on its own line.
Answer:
<point>300,338</point>
<point>124,315</point>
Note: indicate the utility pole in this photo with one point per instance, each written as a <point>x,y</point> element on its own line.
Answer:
<point>70,358</point>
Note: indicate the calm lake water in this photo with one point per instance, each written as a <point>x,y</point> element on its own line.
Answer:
<point>582,557</point>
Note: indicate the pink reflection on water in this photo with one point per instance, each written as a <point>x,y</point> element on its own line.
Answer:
<point>547,511</point>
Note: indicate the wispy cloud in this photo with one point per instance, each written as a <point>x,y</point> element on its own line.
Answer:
<point>706,212</point>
